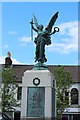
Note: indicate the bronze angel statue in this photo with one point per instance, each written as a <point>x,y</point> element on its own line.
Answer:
<point>43,37</point>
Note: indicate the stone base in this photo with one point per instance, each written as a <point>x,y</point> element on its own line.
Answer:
<point>38,95</point>
<point>40,66</point>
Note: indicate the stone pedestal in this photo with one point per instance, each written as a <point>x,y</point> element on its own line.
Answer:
<point>38,95</point>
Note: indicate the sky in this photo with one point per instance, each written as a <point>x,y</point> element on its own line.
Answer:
<point>16,31</point>
<point>40,0</point>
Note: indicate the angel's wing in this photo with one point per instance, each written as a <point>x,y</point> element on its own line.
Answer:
<point>35,21</point>
<point>51,23</point>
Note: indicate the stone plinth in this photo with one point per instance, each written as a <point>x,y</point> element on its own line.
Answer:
<point>38,95</point>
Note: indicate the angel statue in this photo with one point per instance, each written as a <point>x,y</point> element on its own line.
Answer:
<point>43,37</point>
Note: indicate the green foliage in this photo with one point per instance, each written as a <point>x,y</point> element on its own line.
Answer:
<point>0,89</point>
<point>63,82</point>
<point>9,90</point>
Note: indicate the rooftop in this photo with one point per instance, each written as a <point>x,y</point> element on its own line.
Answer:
<point>20,69</point>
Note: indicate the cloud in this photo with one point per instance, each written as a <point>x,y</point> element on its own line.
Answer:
<point>78,62</point>
<point>79,37</point>
<point>67,40</point>
<point>6,46</point>
<point>14,61</point>
<point>24,40</point>
<point>12,32</point>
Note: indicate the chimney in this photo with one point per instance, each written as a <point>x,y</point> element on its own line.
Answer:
<point>8,61</point>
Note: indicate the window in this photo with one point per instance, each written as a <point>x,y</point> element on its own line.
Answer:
<point>74,96</point>
<point>19,93</point>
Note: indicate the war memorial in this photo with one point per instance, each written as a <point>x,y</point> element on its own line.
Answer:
<point>39,84</point>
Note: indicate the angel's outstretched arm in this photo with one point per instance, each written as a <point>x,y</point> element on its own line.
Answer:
<point>53,32</point>
<point>34,28</point>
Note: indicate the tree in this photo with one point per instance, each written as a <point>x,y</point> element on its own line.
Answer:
<point>63,83</point>
<point>0,90</point>
<point>9,90</point>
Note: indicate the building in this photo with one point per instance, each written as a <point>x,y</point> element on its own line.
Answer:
<point>71,113</point>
